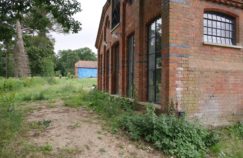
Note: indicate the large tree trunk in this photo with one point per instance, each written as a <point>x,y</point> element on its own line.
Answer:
<point>21,59</point>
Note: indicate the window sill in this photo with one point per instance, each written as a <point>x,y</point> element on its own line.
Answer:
<point>223,45</point>
<point>157,106</point>
<point>115,27</point>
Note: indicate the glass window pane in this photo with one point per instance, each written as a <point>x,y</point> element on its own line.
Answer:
<point>210,16</point>
<point>210,23</point>
<point>130,85</point>
<point>214,32</point>
<point>205,38</point>
<point>227,27</point>
<point>151,93</point>
<point>223,26</point>
<point>152,30</point>
<point>158,85</point>
<point>205,15</point>
<point>210,31</point>
<point>216,26</point>
<point>154,60</point>
<point>151,45</point>
<point>218,32</point>
<point>218,18</point>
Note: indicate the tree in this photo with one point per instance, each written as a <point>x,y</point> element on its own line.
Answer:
<point>66,59</point>
<point>6,60</point>
<point>41,55</point>
<point>45,14</point>
<point>1,60</point>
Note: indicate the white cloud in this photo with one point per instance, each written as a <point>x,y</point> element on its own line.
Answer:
<point>90,18</point>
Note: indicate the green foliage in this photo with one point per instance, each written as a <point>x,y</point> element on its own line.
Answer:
<point>6,59</point>
<point>1,61</point>
<point>238,129</point>
<point>231,142</point>
<point>66,59</point>
<point>51,80</point>
<point>46,148</point>
<point>74,101</point>
<point>109,106</point>
<point>172,135</point>
<point>47,67</point>
<point>10,84</point>
<point>40,125</point>
<point>41,15</point>
<point>38,96</point>
<point>10,119</point>
<point>13,110</point>
<point>41,55</point>
<point>37,16</point>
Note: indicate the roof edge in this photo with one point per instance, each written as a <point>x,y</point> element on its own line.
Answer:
<point>105,7</point>
<point>232,3</point>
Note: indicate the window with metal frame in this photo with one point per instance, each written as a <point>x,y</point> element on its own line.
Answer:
<point>115,12</point>
<point>130,65</point>
<point>115,54</point>
<point>107,70</point>
<point>219,28</point>
<point>101,69</point>
<point>154,61</point>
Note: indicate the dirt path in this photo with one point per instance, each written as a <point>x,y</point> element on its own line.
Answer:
<point>78,133</point>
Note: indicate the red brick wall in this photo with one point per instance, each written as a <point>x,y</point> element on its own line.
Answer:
<point>133,20</point>
<point>204,81</point>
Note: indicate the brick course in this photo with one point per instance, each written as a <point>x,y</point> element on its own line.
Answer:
<point>205,81</point>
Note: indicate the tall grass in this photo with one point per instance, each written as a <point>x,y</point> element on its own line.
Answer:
<point>15,93</point>
<point>10,120</point>
<point>168,133</point>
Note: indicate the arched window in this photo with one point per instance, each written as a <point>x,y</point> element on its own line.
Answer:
<point>219,28</point>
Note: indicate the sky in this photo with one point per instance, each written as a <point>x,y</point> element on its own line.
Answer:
<point>90,18</point>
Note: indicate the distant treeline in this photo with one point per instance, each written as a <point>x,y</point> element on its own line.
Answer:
<point>42,59</point>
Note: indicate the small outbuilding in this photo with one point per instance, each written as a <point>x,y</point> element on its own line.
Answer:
<point>86,69</point>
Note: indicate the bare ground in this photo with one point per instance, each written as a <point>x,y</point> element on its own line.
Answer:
<point>79,133</point>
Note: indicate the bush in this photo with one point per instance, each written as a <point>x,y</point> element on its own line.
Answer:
<point>7,85</point>
<point>39,96</point>
<point>109,106</point>
<point>51,80</point>
<point>237,130</point>
<point>47,67</point>
<point>172,135</point>
<point>10,119</point>
<point>13,84</point>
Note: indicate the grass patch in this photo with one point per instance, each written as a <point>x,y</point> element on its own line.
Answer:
<point>15,94</point>
<point>231,142</point>
<point>42,125</point>
<point>170,134</point>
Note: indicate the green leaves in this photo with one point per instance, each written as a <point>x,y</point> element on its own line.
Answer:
<point>172,135</point>
<point>67,59</point>
<point>168,133</point>
<point>41,55</point>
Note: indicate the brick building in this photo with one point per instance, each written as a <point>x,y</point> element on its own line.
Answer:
<point>185,52</point>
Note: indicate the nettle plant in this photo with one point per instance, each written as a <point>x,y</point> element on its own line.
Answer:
<point>170,134</point>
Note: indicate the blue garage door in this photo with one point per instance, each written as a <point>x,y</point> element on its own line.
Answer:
<point>87,73</point>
